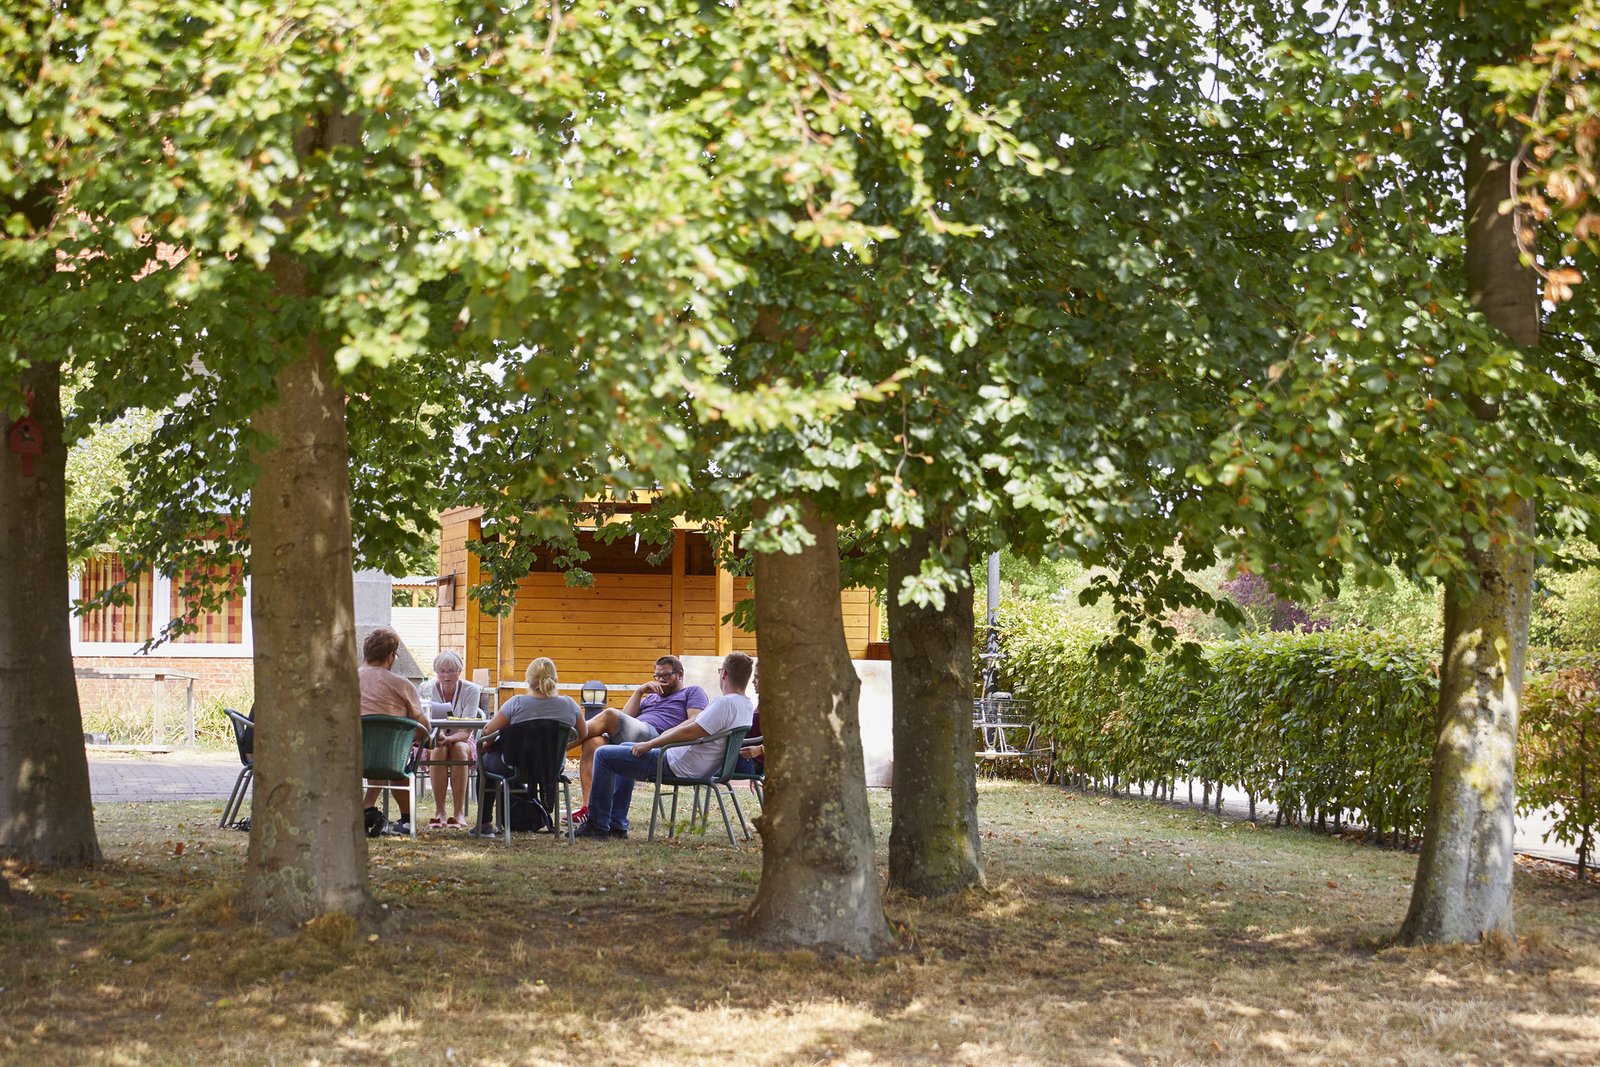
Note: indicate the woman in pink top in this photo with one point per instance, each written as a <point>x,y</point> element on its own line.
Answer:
<point>384,692</point>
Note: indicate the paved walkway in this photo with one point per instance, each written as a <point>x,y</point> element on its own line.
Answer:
<point>1531,828</point>
<point>180,775</point>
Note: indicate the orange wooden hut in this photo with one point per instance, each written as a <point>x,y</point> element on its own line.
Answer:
<point>613,630</point>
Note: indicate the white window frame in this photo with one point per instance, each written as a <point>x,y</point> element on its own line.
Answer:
<point>160,615</point>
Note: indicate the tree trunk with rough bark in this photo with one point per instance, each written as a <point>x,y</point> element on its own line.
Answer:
<point>308,848</point>
<point>1463,887</point>
<point>45,812</point>
<point>819,884</point>
<point>933,836</point>
<point>308,851</point>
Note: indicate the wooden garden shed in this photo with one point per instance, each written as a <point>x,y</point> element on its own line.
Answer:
<point>636,610</point>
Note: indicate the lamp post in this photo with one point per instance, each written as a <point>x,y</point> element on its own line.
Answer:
<point>594,698</point>
<point>991,646</point>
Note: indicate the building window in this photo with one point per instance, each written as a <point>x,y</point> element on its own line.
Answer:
<point>119,623</point>
<point>225,626</point>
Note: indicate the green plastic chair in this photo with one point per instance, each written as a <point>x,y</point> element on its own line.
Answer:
<point>386,742</point>
<point>717,781</point>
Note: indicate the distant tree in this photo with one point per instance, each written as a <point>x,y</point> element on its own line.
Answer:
<point>1266,609</point>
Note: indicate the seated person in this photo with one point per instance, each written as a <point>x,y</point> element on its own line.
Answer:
<point>384,692</point>
<point>753,758</point>
<point>449,697</point>
<point>542,702</point>
<point>657,705</point>
<point>617,767</point>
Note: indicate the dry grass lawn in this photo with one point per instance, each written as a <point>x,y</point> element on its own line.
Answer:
<point>1112,932</point>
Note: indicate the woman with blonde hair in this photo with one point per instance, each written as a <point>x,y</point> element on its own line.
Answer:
<point>449,696</point>
<point>542,702</point>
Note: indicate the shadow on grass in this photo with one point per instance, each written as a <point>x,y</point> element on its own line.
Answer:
<point>1110,932</point>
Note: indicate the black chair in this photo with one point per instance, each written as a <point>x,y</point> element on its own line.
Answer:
<point>244,735</point>
<point>756,775</point>
<point>717,781</point>
<point>535,750</point>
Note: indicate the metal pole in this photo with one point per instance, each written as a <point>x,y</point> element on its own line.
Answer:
<point>991,649</point>
<point>188,714</point>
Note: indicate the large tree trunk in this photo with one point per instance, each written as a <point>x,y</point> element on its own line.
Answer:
<point>819,884</point>
<point>308,850</point>
<point>933,838</point>
<point>1463,886</point>
<point>45,812</point>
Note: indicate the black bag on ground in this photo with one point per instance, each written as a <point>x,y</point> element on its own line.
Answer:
<point>527,814</point>
<point>376,822</point>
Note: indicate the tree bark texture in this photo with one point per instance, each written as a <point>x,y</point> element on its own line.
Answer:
<point>1463,887</point>
<point>933,836</point>
<point>45,812</point>
<point>819,884</point>
<point>308,851</point>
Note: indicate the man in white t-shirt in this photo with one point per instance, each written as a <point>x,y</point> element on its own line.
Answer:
<point>617,767</point>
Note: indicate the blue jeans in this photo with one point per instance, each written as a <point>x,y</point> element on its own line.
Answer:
<point>616,768</point>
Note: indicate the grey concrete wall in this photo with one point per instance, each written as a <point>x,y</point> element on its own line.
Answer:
<point>374,599</point>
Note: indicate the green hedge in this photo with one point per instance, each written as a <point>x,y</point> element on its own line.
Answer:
<point>1558,749</point>
<point>1335,725</point>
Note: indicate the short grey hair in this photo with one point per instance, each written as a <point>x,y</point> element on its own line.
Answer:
<point>449,658</point>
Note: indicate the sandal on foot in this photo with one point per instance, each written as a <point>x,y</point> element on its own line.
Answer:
<point>436,823</point>
<point>455,822</point>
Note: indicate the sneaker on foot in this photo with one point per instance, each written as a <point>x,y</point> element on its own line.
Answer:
<point>597,833</point>
<point>579,817</point>
<point>400,828</point>
<point>484,830</point>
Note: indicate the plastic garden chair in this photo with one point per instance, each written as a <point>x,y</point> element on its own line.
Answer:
<point>522,743</point>
<point>717,781</point>
<point>386,742</point>
<point>244,735</point>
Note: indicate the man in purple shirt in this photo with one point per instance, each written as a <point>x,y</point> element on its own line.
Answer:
<point>617,767</point>
<point>656,706</point>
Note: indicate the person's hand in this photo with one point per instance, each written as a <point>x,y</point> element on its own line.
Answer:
<point>752,751</point>
<point>650,687</point>
<point>640,749</point>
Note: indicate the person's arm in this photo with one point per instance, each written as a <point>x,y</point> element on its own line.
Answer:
<point>635,702</point>
<point>498,722</point>
<point>688,730</point>
<point>580,725</point>
<point>694,704</point>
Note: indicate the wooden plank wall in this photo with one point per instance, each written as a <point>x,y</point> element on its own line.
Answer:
<point>613,630</point>
<point>453,534</point>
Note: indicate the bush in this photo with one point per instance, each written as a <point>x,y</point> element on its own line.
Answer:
<point>1558,750</point>
<point>1335,724</point>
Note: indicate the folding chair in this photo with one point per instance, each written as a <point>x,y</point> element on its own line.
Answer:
<point>386,742</point>
<point>244,735</point>
<point>717,781</point>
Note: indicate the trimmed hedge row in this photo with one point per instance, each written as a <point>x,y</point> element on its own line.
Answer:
<point>1335,725</point>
